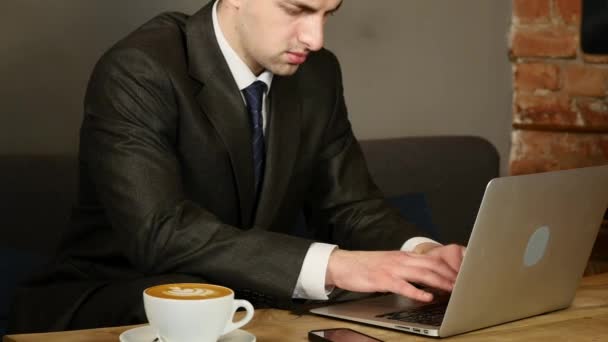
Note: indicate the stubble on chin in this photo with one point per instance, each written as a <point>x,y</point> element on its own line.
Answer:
<point>283,69</point>
<point>286,71</point>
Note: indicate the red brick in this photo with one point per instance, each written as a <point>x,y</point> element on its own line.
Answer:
<point>527,166</point>
<point>604,148</point>
<point>569,10</point>
<point>598,59</point>
<point>539,151</point>
<point>532,76</point>
<point>531,11</point>
<point>585,80</point>
<point>594,113</point>
<point>551,110</point>
<point>555,41</point>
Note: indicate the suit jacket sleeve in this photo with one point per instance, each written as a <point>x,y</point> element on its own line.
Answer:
<point>128,150</point>
<point>345,199</point>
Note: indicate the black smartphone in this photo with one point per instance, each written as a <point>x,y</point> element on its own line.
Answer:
<point>339,335</point>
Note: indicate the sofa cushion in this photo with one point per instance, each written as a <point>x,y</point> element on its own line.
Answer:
<point>414,208</point>
<point>452,172</point>
<point>15,267</point>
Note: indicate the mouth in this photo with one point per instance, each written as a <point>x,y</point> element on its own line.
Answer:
<point>296,57</point>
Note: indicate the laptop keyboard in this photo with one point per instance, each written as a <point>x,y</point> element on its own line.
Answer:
<point>431,314</point>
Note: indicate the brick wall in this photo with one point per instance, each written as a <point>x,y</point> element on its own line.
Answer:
<point>560,97</point>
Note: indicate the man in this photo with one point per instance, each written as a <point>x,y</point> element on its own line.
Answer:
<point>203,139</point>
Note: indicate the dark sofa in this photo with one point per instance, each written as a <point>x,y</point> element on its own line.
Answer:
<point>437,182</point>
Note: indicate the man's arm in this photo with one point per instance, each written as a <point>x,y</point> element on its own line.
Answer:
<point>358,218</point>
<point>128,148</point>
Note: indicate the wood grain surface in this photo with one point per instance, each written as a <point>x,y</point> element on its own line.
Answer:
<point>585,320</point>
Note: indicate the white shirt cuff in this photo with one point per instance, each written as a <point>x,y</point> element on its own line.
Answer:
<point>412,243</point>
<point>311,281</point>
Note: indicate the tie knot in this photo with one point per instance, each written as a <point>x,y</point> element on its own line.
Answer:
<point>254,94</point>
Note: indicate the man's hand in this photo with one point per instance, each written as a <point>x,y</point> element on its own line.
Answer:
<point>393,271</point>
<point>450,254</point>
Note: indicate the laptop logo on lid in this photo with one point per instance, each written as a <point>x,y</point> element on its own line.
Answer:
<point>537,245</point>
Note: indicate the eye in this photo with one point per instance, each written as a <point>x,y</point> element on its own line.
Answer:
<point>292,10</point>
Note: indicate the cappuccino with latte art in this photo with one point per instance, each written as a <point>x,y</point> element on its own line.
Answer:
<point>193,312</point>
<point>188,291</point>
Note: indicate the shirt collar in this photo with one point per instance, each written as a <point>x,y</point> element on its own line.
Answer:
<point>240,71</point>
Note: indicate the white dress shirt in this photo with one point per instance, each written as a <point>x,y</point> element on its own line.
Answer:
<point>311,281</point>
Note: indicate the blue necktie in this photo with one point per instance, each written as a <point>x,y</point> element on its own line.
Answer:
<point>253,95</point>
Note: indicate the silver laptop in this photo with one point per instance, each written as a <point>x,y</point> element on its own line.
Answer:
<point>528,249</point>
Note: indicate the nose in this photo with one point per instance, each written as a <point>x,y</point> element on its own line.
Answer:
<point>311,32</point>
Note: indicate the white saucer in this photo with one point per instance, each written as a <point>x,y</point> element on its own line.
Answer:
<point>146,334</point>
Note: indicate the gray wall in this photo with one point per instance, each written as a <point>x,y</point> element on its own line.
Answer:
<point>426,67</point>
<point>411,67</point>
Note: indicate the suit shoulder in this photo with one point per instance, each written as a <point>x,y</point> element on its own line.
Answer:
<point>165,28</point>
<point>161,39</point>
<point>152,54</point>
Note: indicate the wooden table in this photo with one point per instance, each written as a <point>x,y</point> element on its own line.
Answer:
<point>585,320</point>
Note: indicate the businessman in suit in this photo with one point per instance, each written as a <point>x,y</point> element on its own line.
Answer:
<point>203,139</point>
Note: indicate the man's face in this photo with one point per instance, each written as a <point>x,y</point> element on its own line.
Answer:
<point>277,35</point>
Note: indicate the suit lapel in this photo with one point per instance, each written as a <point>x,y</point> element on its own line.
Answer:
<point>283,136</point>
<point>221,101</point>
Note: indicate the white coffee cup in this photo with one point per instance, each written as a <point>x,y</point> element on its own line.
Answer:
<point>193,312</point>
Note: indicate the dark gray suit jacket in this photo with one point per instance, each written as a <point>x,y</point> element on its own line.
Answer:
<point>166,175</point>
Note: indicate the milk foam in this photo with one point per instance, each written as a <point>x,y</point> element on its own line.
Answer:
<point>177,291</point>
